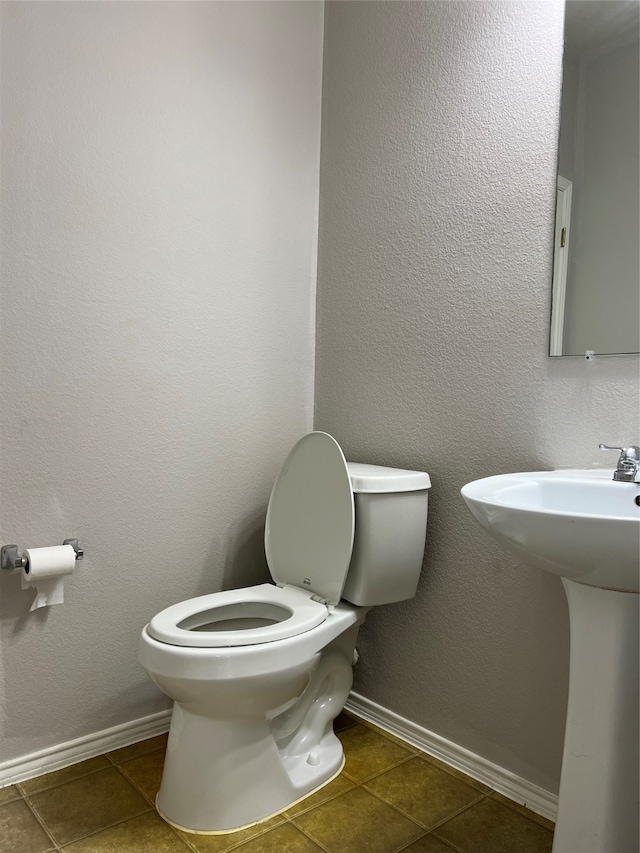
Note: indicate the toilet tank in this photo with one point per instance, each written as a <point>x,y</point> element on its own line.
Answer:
<point>391,524</point>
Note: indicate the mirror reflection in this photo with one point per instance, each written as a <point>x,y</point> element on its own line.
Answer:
<point>596,274</point>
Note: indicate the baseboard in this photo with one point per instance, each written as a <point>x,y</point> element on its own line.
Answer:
<point>512,786</point>
<point>73,751</point>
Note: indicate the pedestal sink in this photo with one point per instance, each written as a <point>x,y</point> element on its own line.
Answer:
<point>584,527</point>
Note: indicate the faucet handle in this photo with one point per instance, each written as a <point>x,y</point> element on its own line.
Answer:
<point>632,452</point>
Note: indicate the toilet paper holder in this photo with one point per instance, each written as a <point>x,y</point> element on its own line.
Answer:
<point>11,558</point>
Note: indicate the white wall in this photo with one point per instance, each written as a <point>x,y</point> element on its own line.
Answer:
<point>438,171</point>
<point>160,170</point>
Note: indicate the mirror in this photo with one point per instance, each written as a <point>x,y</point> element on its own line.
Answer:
<point>596,270</point>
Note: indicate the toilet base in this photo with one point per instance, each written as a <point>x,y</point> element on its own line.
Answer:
<point>255,823</point>
<point>220,777</point>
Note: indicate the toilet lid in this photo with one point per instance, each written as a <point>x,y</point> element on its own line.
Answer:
<point>311,519</point>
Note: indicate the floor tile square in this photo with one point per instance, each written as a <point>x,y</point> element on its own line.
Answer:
<point>145,834</point>
<point>145,772</point>
<point>356,822</point>
<point>368,752</point>
<point>9,794</point>
<point>139,748</point>
<point>283,839</point>
<point>20,830</point>
<point>67,774</point>
<point>422,791</point>
<point>491,826</point>
<point>87,805</point>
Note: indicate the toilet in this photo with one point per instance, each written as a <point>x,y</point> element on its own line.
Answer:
<point>257,675</point>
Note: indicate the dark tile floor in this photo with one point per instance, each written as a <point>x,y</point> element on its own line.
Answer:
<point>389,797</point>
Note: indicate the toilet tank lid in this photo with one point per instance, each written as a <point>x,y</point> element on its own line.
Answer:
<point>376,478</point>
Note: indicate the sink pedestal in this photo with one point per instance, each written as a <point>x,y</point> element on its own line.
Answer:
<point>598,803</point>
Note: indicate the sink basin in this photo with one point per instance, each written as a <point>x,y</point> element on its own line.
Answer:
<point>581,525</point>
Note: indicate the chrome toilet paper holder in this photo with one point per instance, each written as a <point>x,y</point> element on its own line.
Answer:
<point>11,558</point>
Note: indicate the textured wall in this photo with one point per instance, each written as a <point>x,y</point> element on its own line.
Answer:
<point>440,128</point>
<point>160,224</point>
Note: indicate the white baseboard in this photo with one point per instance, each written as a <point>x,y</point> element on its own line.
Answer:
<point>73,751</point>
<point>514,787</point>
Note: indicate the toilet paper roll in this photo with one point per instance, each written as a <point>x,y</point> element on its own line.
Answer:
<point>45,571</point>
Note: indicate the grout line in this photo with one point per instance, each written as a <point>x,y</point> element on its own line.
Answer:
<point>311,838</point>
<point>40,820</point>
<point>60,847</point>
<point>448,843</point>
<point>135,786</point>
<point>102,829</point>
<point>431,827</point>
<point>110,755</point>
<point>378,772</point>
<point>458,812</point>
<point>57,784</point>
<point>186,843</point>
<point>413,841</point>
<point>253,838</point>
<point>425,756</point>
<point>136,757</point>
<point>323,802</point>
<point>455,774</point>
<point>409,843</point>
<point>418,826</point>
<point>173,829</point>
<point>19,796</point>
<point>415,750</point>
<point>425,829</point>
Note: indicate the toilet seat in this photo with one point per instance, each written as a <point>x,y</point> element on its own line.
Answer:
<point>269,612</point>
<point>309,533</point>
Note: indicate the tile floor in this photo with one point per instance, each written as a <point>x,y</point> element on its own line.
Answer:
<point>390,797</point>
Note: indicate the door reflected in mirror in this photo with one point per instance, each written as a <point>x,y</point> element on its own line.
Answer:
<point>596,270</point>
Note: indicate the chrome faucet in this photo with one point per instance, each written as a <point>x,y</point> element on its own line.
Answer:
<point>628,470</point>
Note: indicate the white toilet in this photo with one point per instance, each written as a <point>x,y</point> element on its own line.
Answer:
<point>258,674</point>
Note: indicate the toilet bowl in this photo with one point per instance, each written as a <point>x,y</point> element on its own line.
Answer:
<point>257,675</point>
